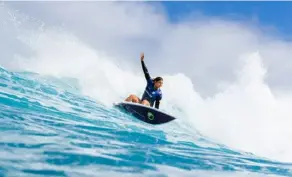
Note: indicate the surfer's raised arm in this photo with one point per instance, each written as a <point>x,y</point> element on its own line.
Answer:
<point>145,70</point>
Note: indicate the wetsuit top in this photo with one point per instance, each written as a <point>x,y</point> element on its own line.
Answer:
<point>150,94</point>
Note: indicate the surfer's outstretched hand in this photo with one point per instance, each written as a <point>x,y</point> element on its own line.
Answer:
<point>142,56</point>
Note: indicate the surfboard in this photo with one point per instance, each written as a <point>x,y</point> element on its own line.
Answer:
<point>145,113</point>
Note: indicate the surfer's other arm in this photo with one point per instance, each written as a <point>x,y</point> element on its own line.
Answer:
<point>157,101</point>
<point>145,70</point>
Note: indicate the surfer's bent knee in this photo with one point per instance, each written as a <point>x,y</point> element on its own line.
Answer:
<point>136,99</point>
<point>133,98</point>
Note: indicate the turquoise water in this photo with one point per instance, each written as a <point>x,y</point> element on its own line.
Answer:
<point>49,129</point>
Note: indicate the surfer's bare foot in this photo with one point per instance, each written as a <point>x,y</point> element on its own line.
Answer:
<point>145,102</point>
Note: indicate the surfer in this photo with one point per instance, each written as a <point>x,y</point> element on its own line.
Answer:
<point>152,91</point>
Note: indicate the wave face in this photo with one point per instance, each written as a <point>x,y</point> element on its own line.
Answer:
<point>49,128</point>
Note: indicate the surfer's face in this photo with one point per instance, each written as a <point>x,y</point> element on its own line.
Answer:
<point>158,84</point>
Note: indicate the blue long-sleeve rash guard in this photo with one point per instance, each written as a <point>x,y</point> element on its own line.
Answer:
<point>150,94</point>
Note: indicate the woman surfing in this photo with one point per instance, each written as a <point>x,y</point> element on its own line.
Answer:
<point>152,92</point>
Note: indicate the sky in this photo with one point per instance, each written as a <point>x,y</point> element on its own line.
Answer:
<point>270,13</point>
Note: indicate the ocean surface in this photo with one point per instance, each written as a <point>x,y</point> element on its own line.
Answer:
<point>48,128</point>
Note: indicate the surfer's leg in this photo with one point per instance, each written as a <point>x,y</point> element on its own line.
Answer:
<point>145,102</point>
<point>133,98</point>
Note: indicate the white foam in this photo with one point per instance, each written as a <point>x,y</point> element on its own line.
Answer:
<point>246,116</point>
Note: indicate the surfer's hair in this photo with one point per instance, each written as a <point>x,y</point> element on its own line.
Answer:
<point>156,79</point>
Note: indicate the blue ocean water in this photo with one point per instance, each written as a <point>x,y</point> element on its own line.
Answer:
<point>48,128</point>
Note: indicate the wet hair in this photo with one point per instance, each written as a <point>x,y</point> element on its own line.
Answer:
<point>156,79</point>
